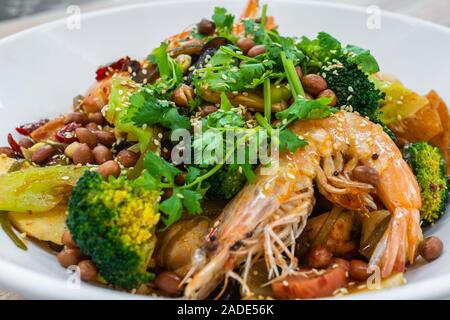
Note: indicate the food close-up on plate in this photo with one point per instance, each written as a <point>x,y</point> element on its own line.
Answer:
<point>226,150</point>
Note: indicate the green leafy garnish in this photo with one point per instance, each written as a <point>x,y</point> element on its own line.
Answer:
<point>290,141</point>
<point>160,57</point>
<point>149,110</point>
<point>304,109</point>
<point>363,58</point>
<point>160,169</point>
<point>161,174</point>
<point>225,103</point>
<point>223,20</point>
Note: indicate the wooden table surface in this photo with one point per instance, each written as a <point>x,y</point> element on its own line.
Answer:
<point>437,11</point>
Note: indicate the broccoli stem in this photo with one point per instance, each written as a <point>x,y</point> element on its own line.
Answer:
<point>267,100</point>
<point>291,75</point>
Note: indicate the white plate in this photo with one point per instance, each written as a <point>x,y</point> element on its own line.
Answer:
<point>43,68</point>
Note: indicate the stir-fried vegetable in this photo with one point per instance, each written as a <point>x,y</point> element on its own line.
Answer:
<point>114,222</point>
<point>37,189</point>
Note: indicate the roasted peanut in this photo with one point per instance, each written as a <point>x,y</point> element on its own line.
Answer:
<point>105,138</point>
<point>206,27</point>
<point>83,155</point>
<point>43,154</point>
<point>183,95</point>
<point>245,44</point>
<point>329,94</point>
<point>86,136</point>
<point>313,84</point>
<point>256,50</point>
<point>358,270</point>
<point>102,154</point>
<point>109,168</point>
<point>127,158</point>
<point>319,257</point>
<point>69,257</point>
<point>431,248</point>
<point>26,143</point>
<point>77,117</point>
<point>88,271</point>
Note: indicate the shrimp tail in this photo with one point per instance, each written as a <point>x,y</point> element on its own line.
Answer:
<point>399,242</point>
<point>209,277</point>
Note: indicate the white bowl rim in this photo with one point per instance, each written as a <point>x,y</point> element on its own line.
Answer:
<point>56,289</point>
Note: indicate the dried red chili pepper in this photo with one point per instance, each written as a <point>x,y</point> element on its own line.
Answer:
<point>27,128</point>
<point>103,71</point>
<point>67,133</point>
<point>13,144</point>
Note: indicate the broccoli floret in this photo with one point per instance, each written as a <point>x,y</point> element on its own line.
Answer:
<point>354,91</point>
<point>114,223</point>
<point>353,88</point>
<point>428,166</point>
<point>225,183</point>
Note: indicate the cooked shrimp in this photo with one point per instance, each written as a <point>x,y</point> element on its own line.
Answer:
<point>349,136</point>
<point>266,217</point>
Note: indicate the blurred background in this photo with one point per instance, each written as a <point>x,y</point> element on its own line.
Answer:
<point>16,15</point>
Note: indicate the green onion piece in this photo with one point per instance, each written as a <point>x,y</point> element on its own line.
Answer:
<point>327,226</point>
<point>291,75</point>
<point>263,122</point>
<point>264,15</point>
<point>267,100</point>
<point>7,228</point>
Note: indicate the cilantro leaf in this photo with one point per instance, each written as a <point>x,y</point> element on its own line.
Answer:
<point>173,120</point>
<point>304,109</point>
<point>191,201</point>
<point>276,44</point>
<point>223,19</point>
<point>160,168</point>
<point>160,57</point>
<point>193,173</point>
<point>225,103</point>
<point>226,119</point>
<point>363,58</point>
<point>290,141</point>
<point>172,208</point>
<point>155,111</point>
<point>225,75</point>
<point>318,51</point>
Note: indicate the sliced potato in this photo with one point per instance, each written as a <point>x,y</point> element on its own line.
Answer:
<point>6,164</point>
<point>400,102</point>
<point>420,126</point>
<point>44,226</point>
